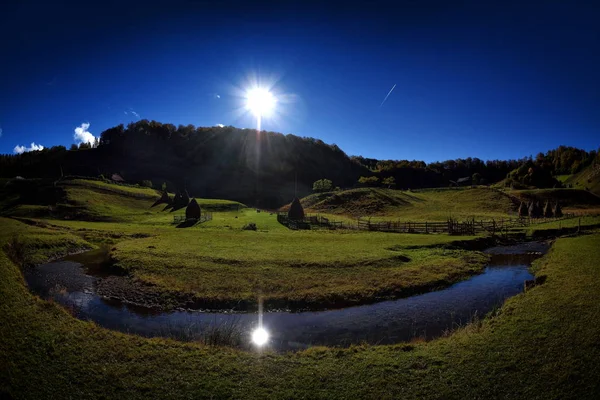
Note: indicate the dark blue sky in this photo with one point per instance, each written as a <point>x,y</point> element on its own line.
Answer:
<point>472,79</point>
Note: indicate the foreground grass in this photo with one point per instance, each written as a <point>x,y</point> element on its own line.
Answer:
<point>542,344</point>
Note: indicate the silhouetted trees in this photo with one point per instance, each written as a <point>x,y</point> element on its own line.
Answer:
<point>263,168</point>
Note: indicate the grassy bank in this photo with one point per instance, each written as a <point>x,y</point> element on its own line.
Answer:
<point>292,269</point>
<point>541,344</point>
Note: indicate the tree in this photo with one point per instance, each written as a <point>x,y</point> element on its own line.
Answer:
<point>322,185</point>
<point>74,147</point>
<point>164,187</point>
<point>476,178</point>
<point>368,181</point>
<point>146,183</point>
<point>296,211</point>
<point>390,182</point>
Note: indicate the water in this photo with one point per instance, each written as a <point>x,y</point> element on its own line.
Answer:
<point>425,316</point>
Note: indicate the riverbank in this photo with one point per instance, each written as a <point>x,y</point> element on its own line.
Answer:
<point>540,344</point>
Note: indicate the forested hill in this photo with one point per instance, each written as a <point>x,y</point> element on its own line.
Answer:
<point>263,168</point>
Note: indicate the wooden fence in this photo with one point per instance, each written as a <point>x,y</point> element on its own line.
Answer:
<point>451,226</point>
<point>205,216</point>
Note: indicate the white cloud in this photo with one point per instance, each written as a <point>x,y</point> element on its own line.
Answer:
<point>0,132</point>
<point>82,135</point>
<point>136,114</point>
<point>220,125</point>
<point>22,149</point>
<point>125,112</point>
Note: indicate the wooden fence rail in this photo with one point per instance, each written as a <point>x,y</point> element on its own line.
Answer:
<point>205,216</point>
<point>451,226</point>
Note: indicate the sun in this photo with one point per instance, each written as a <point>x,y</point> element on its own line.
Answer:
<point>260,336</point>
<point>260,102</point>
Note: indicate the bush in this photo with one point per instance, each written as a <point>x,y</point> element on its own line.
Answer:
<point>249,227</point>
<point>368,181</point>
<point>146,183</point>
<point>322,185</point>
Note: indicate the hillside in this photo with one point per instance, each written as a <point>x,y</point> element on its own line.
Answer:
<point>588,178</point>
<point>89,200</point>
<point>267,169</point>
<point>412,205</point>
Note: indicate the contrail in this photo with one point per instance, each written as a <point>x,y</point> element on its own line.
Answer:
<point>388,95</point>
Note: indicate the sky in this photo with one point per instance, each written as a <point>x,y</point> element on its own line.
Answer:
<point>493,80</point>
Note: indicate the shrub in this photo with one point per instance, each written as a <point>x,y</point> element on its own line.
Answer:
<point>322,185</point>
<point>368,181</point>
<point>146,183</point>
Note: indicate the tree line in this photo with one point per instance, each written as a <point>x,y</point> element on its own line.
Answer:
<point>264,168</point>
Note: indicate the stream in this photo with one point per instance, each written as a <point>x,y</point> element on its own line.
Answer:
<point>426,316</point>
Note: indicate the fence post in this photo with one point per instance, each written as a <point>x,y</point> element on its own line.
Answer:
<point>426,231</point>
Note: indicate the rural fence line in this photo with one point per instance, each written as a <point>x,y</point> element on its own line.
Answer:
<point>205,216</point>
<point>451,226</point>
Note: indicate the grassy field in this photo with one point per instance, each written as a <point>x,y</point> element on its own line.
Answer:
<point>542,344</point>
<point>311,268</point>
<point>429,205</point>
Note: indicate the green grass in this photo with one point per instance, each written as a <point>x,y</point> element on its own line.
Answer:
<point>588,178</point>
<point>540,345</point>
<point>430,205</point>
<point>309,267</point>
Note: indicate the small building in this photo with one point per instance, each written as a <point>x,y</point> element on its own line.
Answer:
<point>463,181</point>
<point>117,178</point>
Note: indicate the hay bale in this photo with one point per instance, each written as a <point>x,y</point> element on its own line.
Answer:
<point>164,199</point>
<point>193,210</point>
<point>523,210</point>
<point>548,213</point>
<point>535,210</point>
<point>296,211</point>
<point>558,210</point>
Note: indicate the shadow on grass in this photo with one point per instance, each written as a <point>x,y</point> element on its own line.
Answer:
<point>188,223</point>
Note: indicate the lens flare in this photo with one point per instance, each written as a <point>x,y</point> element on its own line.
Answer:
<point>260,102</point>
<point>260,336</point>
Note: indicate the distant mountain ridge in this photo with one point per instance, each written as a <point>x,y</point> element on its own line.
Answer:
<point>265,169</point>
